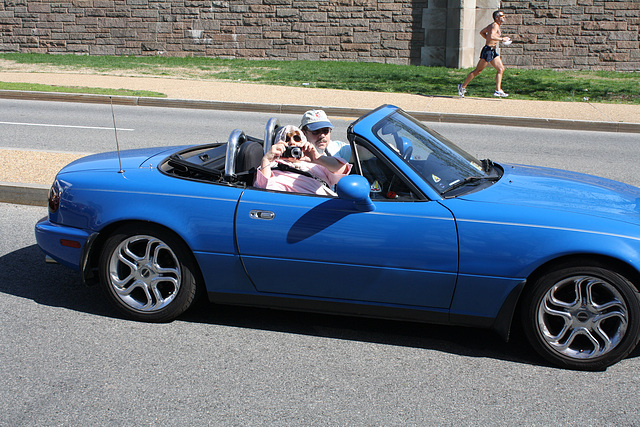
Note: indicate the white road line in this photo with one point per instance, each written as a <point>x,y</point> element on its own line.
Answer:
<point>64,126</point>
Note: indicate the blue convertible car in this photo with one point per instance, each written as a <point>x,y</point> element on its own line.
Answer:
<point>420,230</point>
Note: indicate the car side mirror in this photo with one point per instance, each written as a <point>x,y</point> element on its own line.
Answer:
<point>356,188</point>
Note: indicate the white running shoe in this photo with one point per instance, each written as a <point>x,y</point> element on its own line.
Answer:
<point>461,91</point>
<point>500,93</point>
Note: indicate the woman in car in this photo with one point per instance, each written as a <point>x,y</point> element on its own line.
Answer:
<point>293,164</point>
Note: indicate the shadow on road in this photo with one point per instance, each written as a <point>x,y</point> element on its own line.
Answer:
<point>451,339</point>
<point>23,274</point>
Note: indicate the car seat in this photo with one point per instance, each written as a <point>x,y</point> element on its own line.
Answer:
<point>247,161</point>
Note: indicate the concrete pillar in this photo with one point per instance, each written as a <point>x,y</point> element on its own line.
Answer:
<point>466,36</point>
<point>452,31</point>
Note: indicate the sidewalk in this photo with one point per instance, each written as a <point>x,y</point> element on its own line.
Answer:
<point>19,185</point>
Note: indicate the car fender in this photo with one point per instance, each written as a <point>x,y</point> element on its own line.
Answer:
<point>201,214</point>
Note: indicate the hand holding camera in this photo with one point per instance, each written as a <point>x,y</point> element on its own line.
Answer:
<point>292,152</point>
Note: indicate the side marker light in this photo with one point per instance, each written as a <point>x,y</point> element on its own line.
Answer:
<point>70,243</point>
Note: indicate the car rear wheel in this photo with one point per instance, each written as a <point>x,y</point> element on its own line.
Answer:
<point>147,273</point>
<point>582,318</point>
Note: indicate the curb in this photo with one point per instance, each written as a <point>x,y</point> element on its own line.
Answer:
<point>24,194</point>
<point>332,111</point>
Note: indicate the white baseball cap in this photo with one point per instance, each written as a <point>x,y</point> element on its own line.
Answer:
<point>315,119</point>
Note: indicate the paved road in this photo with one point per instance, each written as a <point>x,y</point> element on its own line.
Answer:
<point>66,357</point>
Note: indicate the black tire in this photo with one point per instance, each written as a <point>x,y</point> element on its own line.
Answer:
<point>583,318</point>
<point>147,273</point>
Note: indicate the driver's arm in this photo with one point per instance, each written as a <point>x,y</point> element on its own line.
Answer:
<point>332,164</point>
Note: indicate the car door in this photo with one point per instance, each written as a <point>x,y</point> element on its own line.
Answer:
<point>305,245</point>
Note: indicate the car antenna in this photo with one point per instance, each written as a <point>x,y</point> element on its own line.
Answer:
<point>115,129</point>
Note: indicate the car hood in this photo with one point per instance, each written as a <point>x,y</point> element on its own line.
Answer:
<point>130,159</point>
<point>537,187</point>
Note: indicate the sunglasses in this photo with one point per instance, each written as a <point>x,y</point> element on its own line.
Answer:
<point>321,131</point>
<point>295,137</point>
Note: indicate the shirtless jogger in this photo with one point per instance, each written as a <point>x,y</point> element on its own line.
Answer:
<point>492,35</point>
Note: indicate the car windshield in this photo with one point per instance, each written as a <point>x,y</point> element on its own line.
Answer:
<point>440,162</point>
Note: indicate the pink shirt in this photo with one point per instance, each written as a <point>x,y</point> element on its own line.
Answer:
<point>297,183</point>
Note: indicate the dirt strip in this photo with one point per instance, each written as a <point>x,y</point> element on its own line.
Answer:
<point>33,167</point>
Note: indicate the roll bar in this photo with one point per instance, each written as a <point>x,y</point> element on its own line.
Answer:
<point>270,133</point>
<point>236,138</point>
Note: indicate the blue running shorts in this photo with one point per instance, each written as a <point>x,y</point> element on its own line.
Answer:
<point>488,53</point>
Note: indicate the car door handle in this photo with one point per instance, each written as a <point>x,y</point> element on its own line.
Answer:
<point>257,214</point>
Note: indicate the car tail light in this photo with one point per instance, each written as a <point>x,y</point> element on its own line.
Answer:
<point>54,197</point>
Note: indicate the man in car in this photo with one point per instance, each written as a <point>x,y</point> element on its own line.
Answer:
<point>307,171</point>
<point>317,129</point>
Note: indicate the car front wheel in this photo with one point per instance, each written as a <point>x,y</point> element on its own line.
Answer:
<point>584,318</point>
<point>147,273</point>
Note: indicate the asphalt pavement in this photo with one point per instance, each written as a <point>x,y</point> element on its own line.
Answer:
<point>240,96</point>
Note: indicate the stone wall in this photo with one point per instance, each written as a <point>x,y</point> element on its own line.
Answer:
<point>386,31</point>
<point>573,34</point>
<point>560,34</point>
